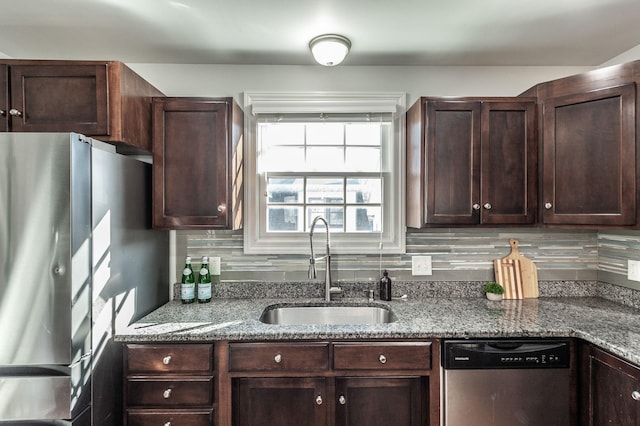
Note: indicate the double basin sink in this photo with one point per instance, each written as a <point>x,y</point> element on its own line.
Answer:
<point>330,314</point>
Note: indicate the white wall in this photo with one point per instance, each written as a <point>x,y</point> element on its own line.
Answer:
<point>416,81</point>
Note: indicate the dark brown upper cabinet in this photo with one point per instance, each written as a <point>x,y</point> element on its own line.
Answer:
<point>589,158</point>
<point>4,98</point>
<point>471,161</point>
<point>105,100</point>
<point>197,163</point>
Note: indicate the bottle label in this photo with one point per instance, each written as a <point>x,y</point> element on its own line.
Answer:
<point>204,291</point>
<point>204,271</point>
<point>187,291</point>
<point>186,271</point>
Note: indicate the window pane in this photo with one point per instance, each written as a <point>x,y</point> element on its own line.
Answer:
<point>325,134</point>
<point>333,215</point>
<point>283,219</point>
<point>285,190</point>
<point>282,133</point>
<point>325,191</point>
<point>363,219</point>
<point>325,159</point>
<point>364,191</point>
<point>363,134</point>
<point>282,158</point>
<point>363,159</point>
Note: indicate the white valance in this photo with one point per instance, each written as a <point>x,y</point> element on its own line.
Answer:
<point>257,103</point>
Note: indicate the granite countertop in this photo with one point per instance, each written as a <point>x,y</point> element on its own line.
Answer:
<point>610,325</point>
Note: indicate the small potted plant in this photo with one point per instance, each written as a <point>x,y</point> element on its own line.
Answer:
<point>493,290</point>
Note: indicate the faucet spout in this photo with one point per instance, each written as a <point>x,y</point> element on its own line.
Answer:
<point>327,258</point>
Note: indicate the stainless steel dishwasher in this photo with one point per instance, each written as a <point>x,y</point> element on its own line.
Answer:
<point>506,382</point>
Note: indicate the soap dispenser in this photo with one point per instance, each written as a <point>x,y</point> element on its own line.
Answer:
<point>385,286</point>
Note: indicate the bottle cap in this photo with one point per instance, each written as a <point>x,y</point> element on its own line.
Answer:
<point>188,259</point>
<point>205,259</point>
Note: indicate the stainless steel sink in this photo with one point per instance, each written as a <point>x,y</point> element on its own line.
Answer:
<point>297,315</point>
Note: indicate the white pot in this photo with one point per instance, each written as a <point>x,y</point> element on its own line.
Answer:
<point>493,296</point>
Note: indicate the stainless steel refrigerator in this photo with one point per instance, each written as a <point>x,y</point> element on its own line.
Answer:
<point>78,259</point>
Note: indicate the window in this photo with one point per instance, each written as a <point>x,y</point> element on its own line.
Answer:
<point>339,156</point>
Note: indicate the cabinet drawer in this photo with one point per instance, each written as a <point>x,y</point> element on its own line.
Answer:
<point>179,391</point>
<point>169,417</point>
<point>191,358</point>
<point>382,355</point>
<point>278,357</point>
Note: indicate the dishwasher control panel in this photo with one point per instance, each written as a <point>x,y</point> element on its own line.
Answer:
<point>506,353</point>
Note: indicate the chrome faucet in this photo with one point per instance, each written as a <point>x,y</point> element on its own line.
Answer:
<point>328,289</point>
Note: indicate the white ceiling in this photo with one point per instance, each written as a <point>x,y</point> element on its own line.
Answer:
<point>400,32</point>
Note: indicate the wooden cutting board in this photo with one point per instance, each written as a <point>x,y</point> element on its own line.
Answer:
<point>528,271</point>
<point>509,277</point>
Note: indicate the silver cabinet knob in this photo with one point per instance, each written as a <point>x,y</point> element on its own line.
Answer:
<point>342,400</point>
<point>14,112</point>
<point>476,206</point>
<point>2,113</point>
<point>382,359</point>
<point>221,208</point>
<point>487,206</point>
<point>278,358</point>
<point>166,394</point>
<point>548,205</point>
<point>319,400</point>
<point>635,395</point>
<point>166,360</point>
<point>167,424</point>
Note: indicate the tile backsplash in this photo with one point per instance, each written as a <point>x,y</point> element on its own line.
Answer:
<point>457,255</point>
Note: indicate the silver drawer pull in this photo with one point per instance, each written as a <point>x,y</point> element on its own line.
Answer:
<point>635,395</point>
<point>342,400</point>
<point>382,359</point>
<point>166,360</point>
<point>166,394</point>
<point>319,400</point>
<point>278,358</point>
<point>14,112</point>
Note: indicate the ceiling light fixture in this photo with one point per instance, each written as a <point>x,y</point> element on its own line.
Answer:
<point>329,49</point>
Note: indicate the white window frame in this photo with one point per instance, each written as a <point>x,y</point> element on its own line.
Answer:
<point>392,239</point>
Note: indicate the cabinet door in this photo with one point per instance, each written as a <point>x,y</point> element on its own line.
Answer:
<point>589,158</point>
<point>611,388</point>
<point>453,162</point>
<point>398,401</point>
<point>59,98</point>
<point>509,163</point>
<point>280,401</point>
<point>4,98</point>
<point>190,163</point>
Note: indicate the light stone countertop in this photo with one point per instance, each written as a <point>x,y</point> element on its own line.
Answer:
<point>610,325</point>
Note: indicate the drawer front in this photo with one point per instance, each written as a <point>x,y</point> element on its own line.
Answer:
<point>279,356</point>
<point>178,392</point>
<point>190,358</point>
<point>169,417</point>
<point>382,355</point>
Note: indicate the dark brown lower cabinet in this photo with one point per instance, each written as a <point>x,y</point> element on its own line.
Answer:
<point>280,401</point>
<point>343,401</point>
<point>610,389</point>
<point>400,401</point>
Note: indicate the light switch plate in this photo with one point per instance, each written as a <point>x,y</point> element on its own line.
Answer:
<point>633,270</point>
<point>421,265</point>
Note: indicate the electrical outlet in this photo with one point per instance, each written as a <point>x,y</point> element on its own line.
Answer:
<point>633,270</point>
<point>421,265</point>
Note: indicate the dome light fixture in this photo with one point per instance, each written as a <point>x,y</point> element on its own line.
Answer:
<point>329,49</point>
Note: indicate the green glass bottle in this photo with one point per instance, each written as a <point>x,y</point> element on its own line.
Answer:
<point>188,286</point>
<point>204,282</point>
